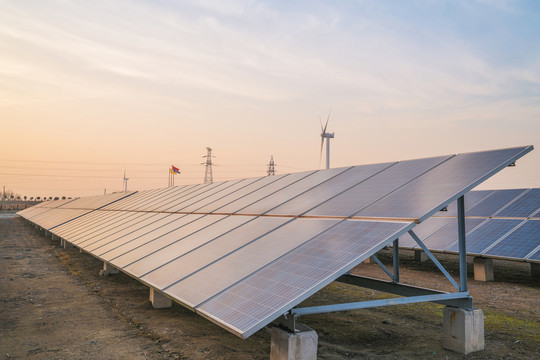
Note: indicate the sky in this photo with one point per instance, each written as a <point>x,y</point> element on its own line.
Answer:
<point>90,89</point>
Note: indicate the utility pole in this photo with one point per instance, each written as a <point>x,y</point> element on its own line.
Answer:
<point>271,170</point>
<point>208,178</point>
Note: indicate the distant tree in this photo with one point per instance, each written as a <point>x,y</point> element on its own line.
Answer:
<point>56,198</point>
<point>69,198</point>
<point>38,198</point>
<point>63,198</point>
<point>25,197</point>
<point>18,198</point>
<point>12,197</point>
<point>31,198</point>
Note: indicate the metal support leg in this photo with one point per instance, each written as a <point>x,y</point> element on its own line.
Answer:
<point>462,245</point>
<point>396,260</point>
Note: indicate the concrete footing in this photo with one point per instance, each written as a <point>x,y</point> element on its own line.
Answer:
<point>463,330</point>
<point>368,261</point>
<point>535,271</point>
<point>108,269</point>
<point>420,256</point>
<point>301,345</point>
<point>158,300</point>
<point>483,269</point>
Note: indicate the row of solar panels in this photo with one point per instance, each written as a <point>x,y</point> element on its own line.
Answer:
<point>499,223</point>
<point>243,252</point>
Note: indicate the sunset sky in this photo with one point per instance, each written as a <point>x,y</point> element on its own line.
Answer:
<point>89,89</point>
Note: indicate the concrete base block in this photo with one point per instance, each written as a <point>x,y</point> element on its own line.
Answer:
<point>483,269</point>
<point>420,256</point>
<point>301,345</point>
<point>535,271</point>
<point>108,270</point>
<point>368,261</point>
<point>158,300</point>
<point>463,330</point>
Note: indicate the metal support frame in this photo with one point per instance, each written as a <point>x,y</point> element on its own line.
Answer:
<point>412,294</point>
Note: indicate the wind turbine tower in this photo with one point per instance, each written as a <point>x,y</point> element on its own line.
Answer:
<point>125,181</point>
<point>327,136</point>
<point>208,178</point>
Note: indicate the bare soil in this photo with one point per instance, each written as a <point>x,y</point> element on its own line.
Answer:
<point>54,305</point>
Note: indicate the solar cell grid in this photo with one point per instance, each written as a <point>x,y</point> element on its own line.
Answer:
<point>242,193</point>
<point>233,188</point>
<point>311,265</point>
<point>218,276</point>
<point>494,202</point>
<point>524,206</point>
<point>279,197</point>
<point>447,235</point>
<point>154,244</point>
<point>471,199</point>
<point>428,193</point>
<point>194,261</point>
<point>423,230</point>
<point>184,244</point>
<point>328,189</point>
<point>486,234</point>
<point>239,204</point>
<point>519,243</point>
<point>388,178</point>
<point>121,243</point>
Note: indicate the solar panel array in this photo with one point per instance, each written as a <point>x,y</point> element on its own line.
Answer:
<point>499,223</point>
<point>243,252</point>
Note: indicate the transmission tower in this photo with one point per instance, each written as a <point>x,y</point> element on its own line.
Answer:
<point>271,170</point>
<point>208,179</point>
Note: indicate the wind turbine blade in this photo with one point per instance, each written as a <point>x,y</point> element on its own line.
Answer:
<point>321,126</point>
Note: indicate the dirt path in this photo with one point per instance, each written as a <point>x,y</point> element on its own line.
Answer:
<point>54,305</point>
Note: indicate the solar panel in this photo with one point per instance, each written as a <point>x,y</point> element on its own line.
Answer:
<point>486,234</point>
<point>197,259</point>
<point>170,249</point>
<point>471,199</point>
<point>417,200</point>
<point>263,295</point>
<point>245,192</point>
<point>423,230</point>
<point>143,246</point>
<point>233,264</point>
<point>219,275</point>
<point>447,235</point>
<point>524,206</point>
<point>328,189</point>
<point>374,187</point>
<point>279,197</point>
<point>493,203</point>
<point>236,205</point>
<point>519,243</point>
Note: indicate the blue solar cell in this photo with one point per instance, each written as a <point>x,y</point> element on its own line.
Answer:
<point>486,234</point>
<point>425,195</point>
<point>423,230</point>
<point>374,187</point>
<point>471,199</point>
<point>520,242</point>
<point>524,206</point>
<point>447,235</point>
<point>493,203</point>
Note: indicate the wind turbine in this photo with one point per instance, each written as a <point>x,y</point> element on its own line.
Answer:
<point>328,136</point>
<point>125,181</point>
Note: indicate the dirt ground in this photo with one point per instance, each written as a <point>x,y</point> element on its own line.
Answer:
<point>54,305</point>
